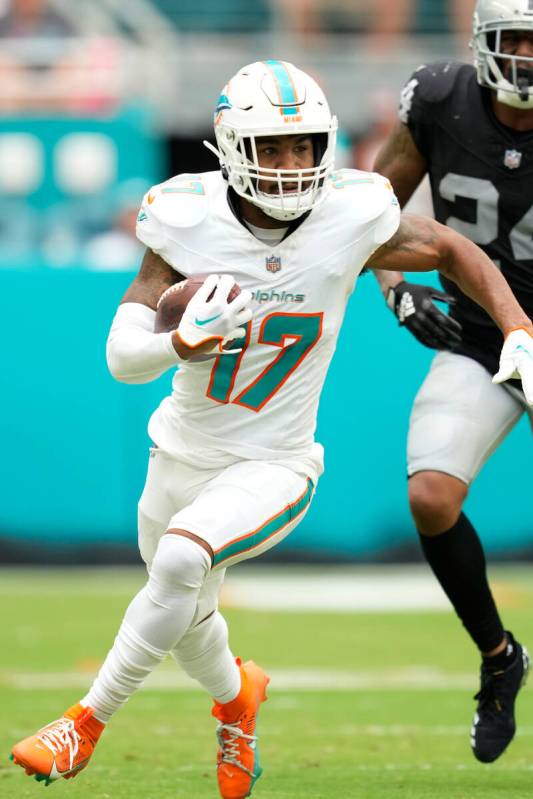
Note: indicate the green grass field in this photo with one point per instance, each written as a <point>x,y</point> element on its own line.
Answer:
<point>385,737</point>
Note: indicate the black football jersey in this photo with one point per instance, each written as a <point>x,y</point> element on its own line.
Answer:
<point>481,175</point>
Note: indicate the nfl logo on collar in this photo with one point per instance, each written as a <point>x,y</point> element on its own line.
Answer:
<point>512,159</point>
<point>273,264</point>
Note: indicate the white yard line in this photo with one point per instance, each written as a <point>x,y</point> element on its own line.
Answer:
<point>294,680</point>
<point>340,590</point>
<point>328,589</point>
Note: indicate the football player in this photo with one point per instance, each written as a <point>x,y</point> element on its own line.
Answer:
<point>471,130</point>
<point>234,464</point>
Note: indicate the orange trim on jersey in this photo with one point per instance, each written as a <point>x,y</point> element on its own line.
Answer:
<point>267,368</point>
<point>227,399</point>
<point>304,499</point>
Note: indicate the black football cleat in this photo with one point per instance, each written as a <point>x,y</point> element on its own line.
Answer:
<point>494,723</point>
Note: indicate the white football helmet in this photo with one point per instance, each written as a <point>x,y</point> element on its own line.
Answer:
<point>491,18</point>
<point>272,98</point>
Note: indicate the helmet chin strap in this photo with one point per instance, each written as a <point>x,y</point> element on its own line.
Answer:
<point>281,214</point>
<point>514,100</point>
<point>518,92</point>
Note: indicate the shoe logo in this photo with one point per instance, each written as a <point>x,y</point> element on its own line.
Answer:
<point>202,322</point>
<point>150,198</point>
<point>55,774</point>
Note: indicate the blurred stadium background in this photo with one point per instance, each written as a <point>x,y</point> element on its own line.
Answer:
<point>99,100</point>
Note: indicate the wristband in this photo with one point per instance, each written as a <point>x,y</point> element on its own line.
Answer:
<point>135,354</point>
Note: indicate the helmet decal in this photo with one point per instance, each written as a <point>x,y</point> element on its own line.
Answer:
<point>286,91</point>
<point>222,104</point>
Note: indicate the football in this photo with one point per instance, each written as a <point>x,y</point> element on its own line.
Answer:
<point>175,299</point>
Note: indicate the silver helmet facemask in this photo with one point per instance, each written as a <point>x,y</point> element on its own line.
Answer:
<point>511,76</point>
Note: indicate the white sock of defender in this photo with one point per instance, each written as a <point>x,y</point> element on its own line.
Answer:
<point>155,621</point>
<point>204,654</point>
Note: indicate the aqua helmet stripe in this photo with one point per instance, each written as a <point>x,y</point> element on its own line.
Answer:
<point>285,87</point>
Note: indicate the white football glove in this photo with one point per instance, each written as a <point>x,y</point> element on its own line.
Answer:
<point>516,360</point>
<point>215,319</point>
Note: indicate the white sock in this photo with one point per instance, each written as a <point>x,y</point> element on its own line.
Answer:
<point>204,654</point>
<point>157,618</point>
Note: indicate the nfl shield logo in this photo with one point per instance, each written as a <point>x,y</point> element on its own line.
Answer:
<point>512,159</point>
<point>273,264</point>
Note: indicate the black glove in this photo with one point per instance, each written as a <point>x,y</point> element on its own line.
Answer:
<point>414,307</point>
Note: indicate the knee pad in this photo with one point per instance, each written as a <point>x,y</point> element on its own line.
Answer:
<point>208,636</point>
<point>179,564</point>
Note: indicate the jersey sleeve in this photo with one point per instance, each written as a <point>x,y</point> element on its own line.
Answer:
<point>384,224</point>
<point>149,229</point>
<point>413,111</point>
<point>387,224</point>
<point>169,209</point>
<point>422,97</point>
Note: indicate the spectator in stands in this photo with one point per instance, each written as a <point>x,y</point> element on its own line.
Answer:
<point>380,18</point>
<point>218,16</point>
<point>33,18</point>
<point>42,68</point>
<point>30,30</point>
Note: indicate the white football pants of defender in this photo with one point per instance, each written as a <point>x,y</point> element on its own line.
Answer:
<point>239,510</point>
<point>460,417</point>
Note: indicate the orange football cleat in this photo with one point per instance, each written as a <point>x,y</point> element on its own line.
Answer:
<point>62,748</point>
<point>238,766</point>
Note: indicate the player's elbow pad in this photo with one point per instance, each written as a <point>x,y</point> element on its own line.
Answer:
<point>135,354</point>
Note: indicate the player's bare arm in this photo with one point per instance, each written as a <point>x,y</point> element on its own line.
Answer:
<point>421,244</point>
<point>400,161</point>
<point>154,277</point>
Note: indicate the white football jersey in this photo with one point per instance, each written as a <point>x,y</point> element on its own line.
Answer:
<point>262,402</point>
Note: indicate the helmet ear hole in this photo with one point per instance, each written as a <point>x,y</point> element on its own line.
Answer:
<point>491,41</point>
<point>320,145</point>
<point>248,149</point>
